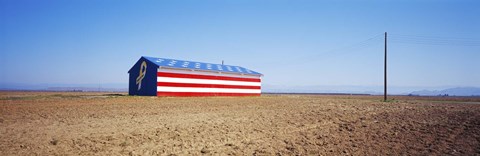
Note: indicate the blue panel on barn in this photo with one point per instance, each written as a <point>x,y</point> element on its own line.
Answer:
<point>172,63</point>
<point>143,78</point>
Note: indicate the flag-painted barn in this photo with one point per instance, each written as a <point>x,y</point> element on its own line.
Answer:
<point>169,77</point>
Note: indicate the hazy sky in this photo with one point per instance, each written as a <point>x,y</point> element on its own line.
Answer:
<point>293,43</point>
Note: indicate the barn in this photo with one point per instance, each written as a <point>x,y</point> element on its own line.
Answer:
<point>152,76</point>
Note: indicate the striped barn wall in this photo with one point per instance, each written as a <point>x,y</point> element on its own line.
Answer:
<point>197,83</point>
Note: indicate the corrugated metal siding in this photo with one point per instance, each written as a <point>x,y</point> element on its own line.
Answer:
<point>181,83</point>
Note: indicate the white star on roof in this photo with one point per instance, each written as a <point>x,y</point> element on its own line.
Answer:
<point>229,68</point>
<point>185,64</point>
<point>172,62</point>
<point>239,69</point>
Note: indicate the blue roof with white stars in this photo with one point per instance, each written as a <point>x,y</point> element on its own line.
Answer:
<point>172,63</point>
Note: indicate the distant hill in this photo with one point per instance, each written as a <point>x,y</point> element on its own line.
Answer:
<point>459,91</point>
<point>105,87</point>
<point>87,89</point>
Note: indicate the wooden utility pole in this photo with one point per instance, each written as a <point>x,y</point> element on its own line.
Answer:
<point>385,71</point>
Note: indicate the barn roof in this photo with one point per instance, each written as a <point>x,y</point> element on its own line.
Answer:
<point>192,65</point>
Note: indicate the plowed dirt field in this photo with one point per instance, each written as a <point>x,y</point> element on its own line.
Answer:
<point>54,123</point>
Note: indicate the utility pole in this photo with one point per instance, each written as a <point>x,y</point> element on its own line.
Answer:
<point>385,71</point>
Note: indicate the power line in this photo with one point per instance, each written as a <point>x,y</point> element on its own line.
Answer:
<point>436,37</point>
<point>374,40</point>
<point>350,48</point>
<point>433,40</point>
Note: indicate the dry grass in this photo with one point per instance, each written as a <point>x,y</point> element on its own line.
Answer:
<point>108,124</point>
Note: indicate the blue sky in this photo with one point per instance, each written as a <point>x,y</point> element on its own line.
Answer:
<point>293,43</point>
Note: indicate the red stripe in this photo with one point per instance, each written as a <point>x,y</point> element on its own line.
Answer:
<point>173,84</point>
<point>209,77</point>
<point>204,94</point>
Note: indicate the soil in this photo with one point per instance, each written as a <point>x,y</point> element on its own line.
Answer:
<point>63,123</point>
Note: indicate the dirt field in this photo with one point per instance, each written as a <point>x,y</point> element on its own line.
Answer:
<point>34,123</point>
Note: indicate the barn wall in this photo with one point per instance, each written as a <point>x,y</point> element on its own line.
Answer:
<point>172,82</point>
<point>148,83</point>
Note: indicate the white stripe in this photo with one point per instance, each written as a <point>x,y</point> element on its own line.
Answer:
<point>204,90</point>
<point>204,81</point>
